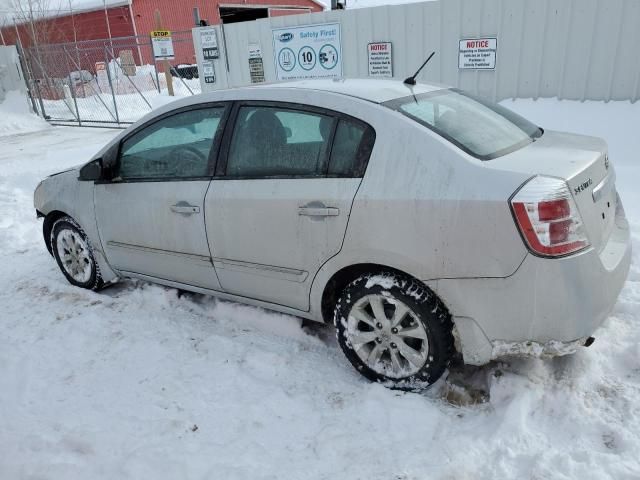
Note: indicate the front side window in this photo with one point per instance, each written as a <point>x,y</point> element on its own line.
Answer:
<point>482,129</point>
<point>174,147</point>
<point>273,141</point>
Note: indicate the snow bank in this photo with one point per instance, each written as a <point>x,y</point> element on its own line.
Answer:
<point>16,117</point>
<point>138,382</point>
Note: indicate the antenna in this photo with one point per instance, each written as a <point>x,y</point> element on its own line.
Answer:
<point>412,80</point>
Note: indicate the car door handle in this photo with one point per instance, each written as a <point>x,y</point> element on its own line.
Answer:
<point>319,211</point>
<point>185,208</point>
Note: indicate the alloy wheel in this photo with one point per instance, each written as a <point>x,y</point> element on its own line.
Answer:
<point>74,255</point>
<point>387,336</point>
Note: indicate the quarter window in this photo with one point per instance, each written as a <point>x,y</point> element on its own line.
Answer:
<point>270,141</point>
<point>349,148</point>
<point>178,146</point>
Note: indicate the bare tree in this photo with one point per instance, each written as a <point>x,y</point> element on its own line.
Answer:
<point>36,16</point>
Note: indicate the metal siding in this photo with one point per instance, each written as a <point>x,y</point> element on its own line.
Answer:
<point>626,76</point>
<point>573,49</point>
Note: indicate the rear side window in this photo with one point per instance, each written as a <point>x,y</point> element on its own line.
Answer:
<point>173,147</point>
<point>273,141</point>
<point>482,129</point>
<point>351,149</point>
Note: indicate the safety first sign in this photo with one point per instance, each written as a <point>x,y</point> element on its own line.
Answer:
<point>477,53</point>
<point>162,45</point>
<point>309,51</point>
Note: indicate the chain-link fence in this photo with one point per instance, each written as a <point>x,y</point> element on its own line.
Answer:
<point>109,82</point>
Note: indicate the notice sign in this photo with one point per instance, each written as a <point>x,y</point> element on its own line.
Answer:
<point>311,51</point>
<point>380,61</point>
<point>209,43</point>
<point>478,53</point>
<point>256,67</point>
<point>162,44</point>
<point>208,72</point>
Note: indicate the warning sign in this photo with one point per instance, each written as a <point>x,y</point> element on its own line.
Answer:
<point>208,72</point>
<point>256,67</point>
<point>209,43</point>
<point>380,61</point>
<point>162,44</point>
<point>477,53</point>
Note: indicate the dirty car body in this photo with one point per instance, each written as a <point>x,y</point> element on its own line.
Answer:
<point>283,196</point>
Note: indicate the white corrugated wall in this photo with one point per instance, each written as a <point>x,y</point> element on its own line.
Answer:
<point>10,72</point>
<point>570,49</point>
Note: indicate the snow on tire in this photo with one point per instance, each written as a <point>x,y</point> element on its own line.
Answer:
<point>394,330</point>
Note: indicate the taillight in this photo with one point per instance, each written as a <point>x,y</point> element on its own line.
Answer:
<point>548,218</point>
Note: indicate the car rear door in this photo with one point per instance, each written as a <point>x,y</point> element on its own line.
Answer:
<point>280,202</point>
<point>151,215</point>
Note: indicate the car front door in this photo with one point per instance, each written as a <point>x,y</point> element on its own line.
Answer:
<point>151,214</point>
<point>280,202</point>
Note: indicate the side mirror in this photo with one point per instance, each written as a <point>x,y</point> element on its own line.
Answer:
<point>92,171</point>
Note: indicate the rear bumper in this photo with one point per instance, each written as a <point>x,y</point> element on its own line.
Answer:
<point>539,350</point>
<point>545,302</point>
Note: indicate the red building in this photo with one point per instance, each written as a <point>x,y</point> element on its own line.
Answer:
<point>128,18</point>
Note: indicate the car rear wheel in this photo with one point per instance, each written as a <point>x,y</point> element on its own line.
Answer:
<point>394,330</point>
<point>74,255</point>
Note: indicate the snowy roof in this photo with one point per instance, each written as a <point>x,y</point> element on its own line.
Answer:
<point>56,8</point>
<point>12,10</point>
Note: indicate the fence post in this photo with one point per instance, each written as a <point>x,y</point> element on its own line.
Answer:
<point>26,77</point>
<point>157,18</point>
<point>155,69</point>
<point>32,80</point>
<point>72,90</point>
<point>113,94</point>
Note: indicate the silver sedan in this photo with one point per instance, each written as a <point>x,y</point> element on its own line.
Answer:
<point>421,221</point>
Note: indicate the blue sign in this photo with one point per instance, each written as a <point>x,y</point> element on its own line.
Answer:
<point>308,51</point>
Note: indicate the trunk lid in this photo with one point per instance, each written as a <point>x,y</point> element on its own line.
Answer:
<point>580,160</point>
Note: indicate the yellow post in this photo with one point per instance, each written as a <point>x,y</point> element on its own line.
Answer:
<point>165,62</point>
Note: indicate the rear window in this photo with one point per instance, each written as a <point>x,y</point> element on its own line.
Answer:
<point>480,128</point>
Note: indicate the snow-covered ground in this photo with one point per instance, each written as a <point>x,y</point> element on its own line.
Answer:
<point>138,382</point>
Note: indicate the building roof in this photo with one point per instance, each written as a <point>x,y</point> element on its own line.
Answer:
<point>11,14</point>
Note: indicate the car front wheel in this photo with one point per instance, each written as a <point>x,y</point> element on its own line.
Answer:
<point>74,255</point>
<point>394,330</point>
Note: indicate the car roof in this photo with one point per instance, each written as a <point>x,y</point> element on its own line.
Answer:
<point>373,90</point>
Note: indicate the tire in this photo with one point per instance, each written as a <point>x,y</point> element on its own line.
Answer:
<point>405,322</point>
<point>74,254</point>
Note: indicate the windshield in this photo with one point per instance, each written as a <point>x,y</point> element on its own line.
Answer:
<point>480,128</point>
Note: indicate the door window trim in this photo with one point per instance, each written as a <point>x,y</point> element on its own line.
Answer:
<point>230,127</point>
<point>214,151</point>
